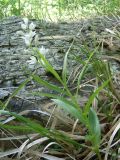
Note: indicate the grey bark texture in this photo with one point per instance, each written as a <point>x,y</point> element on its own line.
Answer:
<point>55,37</point>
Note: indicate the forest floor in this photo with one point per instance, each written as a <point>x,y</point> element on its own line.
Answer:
<point>79,39</point>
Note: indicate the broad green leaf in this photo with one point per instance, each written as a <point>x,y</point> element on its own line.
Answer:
<point>55,96</point>
<point>94,127</point>
<point>69,108</point>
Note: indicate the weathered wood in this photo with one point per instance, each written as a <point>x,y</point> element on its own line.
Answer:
<point>55,37</point>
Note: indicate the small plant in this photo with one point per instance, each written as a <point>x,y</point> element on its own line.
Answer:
<point>63,98</point>
<point>87,117</point>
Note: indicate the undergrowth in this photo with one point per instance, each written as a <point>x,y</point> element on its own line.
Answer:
<point>92,129</point>
<point>59,9</point>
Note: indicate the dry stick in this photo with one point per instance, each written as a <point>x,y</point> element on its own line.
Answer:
<point>111,139</point>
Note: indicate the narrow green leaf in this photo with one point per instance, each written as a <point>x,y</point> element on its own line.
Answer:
<point>49,95</point>
<point>83,71</point>
<point>19,128</point>
<point>46,84</point>
<point>88,105</point>
<point>16,92</point>
<point>64,72</point>
<point>26,121</point>
<point>53,134</point>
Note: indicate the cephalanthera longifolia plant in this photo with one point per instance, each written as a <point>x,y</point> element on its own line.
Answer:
<point>63,97</point>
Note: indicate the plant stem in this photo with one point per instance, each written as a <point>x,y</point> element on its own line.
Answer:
<point>98,154</point>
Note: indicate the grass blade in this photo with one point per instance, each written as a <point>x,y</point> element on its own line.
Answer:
<point>64,72</point>
<point>53,134</point>
<point>16,92</point>
<point>46,84</point>
<point>88,105</point>
<point>83,71</point>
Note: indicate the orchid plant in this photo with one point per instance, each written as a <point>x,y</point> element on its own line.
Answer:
<point>28,34</point>
<point>86,116</point>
